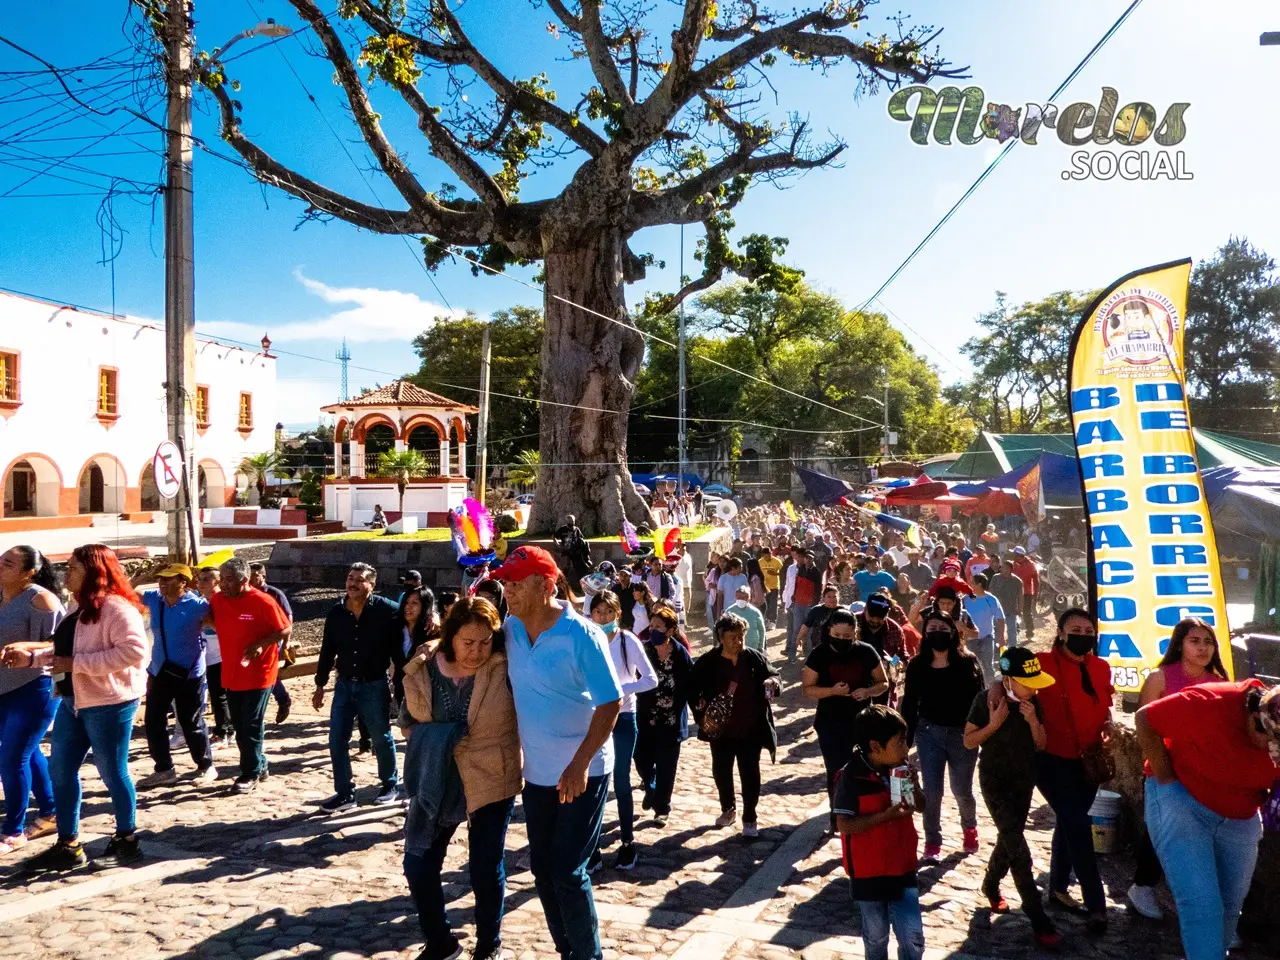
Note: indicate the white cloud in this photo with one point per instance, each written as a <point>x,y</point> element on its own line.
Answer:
<point>372,315</point>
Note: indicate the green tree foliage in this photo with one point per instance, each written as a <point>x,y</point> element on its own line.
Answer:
<point>1020,365</point>
<point>524,469</point>
<point>807,342</point>
<point>450,355</point>
<point>1233,341</point>
<point>256,467</point>
<point>402,466</point>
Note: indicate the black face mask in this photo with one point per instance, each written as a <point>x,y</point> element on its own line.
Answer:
<point>840,643</point>
<point>1080,643</point>
<point>938,640</point>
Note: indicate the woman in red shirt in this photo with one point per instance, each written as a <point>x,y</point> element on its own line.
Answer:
<point>1211,750</point>
<point>1191,659</point>
<point>1077,719</point>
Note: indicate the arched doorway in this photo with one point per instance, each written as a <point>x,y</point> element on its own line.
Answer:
<point>102,485</point>
<point>147,486</point>
<point>31,488</point>
<point>211,485</point>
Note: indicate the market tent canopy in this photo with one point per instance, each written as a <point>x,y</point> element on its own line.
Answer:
<point>651,480</point>
<point>1245,502</point>
<point>992,455</point>
<point>1059,477</point>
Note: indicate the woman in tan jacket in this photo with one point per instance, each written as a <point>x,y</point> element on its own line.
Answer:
<point>462,763</point>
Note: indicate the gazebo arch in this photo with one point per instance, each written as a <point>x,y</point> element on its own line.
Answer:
<point>372,420</point>
<point>32,485</point>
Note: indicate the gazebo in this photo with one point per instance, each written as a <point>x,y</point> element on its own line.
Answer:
<point>400,416</point>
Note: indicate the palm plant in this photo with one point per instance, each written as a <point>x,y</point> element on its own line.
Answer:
<point>256,466</point>
<point>525,470</point>
<point>401,465</point>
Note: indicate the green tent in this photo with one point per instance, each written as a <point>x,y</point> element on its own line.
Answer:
<point>993,454</point>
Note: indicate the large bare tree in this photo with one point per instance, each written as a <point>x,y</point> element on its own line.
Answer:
<point>674,127</point>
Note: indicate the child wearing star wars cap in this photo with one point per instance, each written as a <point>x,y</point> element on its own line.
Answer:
<point>1010,734</point>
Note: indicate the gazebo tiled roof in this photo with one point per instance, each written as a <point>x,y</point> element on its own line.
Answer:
<point>400,393</point>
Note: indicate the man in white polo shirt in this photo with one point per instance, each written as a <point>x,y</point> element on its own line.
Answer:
<point>567,698</point>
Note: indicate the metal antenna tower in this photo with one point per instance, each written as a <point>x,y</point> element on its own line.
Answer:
<point>345,356</point>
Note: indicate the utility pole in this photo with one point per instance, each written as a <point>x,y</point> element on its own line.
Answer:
<point>886,417</point>
<point>180,278</point>
<point>482,431</point>
<point>682,436</point>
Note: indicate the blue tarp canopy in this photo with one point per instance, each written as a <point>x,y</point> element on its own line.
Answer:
<point>1059,476</point>
<point>651,480</point>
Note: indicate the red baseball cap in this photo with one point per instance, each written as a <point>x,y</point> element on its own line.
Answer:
<point>524,562</point>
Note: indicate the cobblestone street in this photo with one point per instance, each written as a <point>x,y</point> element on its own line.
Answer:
<point>269,876</point>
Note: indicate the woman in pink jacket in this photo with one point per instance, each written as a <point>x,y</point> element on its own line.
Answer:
<point>103,650</point>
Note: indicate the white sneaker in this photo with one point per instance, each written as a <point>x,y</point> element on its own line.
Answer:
<point>726,818</point>
<point>1143,900</point>
<point>207,775</point>
<point>159,778</point>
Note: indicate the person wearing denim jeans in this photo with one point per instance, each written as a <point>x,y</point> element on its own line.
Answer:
<point>370,700</point>
<point>106,731</point>
<point>29,612</point>
<point>249,717</point>
<point>903,916</point>
<point>941,682</point>
<point>103,647</point>
<point>636,675</point>
<point>363,639</point>
<point>457,687</point>
<point>567,698</point>
<point>25,715</point>
<point>250,627</point>
<point>486,865</point>
<point>1208,754</point>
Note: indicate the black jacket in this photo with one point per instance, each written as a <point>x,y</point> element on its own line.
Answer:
<point>682,667</point>
<point>702,683</point>
<point>363,649</point>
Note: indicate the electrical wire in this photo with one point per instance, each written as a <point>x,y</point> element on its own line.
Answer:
<point>937,227</point>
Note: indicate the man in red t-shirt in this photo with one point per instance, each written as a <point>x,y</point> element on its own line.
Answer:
<point>1026,570</point>
<point>250,626</point>
<point>1209,750</point>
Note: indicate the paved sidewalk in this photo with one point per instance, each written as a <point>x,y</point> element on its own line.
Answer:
<point>268,876</point>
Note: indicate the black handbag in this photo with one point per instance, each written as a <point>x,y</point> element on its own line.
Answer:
<point>169,670</point>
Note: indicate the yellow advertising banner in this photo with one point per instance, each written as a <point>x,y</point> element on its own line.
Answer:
<point>1153,559</point>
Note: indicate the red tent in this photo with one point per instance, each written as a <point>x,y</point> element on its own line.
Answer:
<point>928,491</point>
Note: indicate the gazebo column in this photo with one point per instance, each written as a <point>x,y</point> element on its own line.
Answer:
<point>337,458</point>
<point>462,457</point>
<point>355,453</point>
<point>444,458</point>
<point>401,446</point>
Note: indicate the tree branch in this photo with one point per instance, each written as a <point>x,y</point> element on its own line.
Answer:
<point>362,111</point>
<point>375,219</point>
<point>446,148</point>
<point>600,56</point>
<point>565,16</point>
<point>462,52</point>
<point>675,204</point>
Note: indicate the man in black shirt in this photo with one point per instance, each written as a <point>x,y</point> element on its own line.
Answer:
<point>817,617</point>
<point>362,637</point>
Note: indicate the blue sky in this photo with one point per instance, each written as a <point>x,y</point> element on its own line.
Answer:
<point>1026,231</point>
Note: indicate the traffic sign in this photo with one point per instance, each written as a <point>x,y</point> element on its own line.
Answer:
<point>167,468</point>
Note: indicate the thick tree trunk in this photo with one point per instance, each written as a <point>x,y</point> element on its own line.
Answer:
<point>589,363</point>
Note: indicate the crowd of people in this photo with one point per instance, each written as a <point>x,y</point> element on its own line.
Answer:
<point>561,689</point>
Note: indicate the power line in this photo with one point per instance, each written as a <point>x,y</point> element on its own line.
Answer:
<point>1111,31</point>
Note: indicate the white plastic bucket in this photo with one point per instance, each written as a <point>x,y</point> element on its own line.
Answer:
<point>1104,816</point>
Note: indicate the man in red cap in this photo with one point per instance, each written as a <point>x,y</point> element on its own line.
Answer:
<point>567,698</point>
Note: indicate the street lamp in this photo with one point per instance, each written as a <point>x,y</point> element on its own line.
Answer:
<point>1270,39</point>
<point>269,28</point>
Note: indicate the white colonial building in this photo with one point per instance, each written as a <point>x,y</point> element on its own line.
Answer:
<point>82,409</point>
